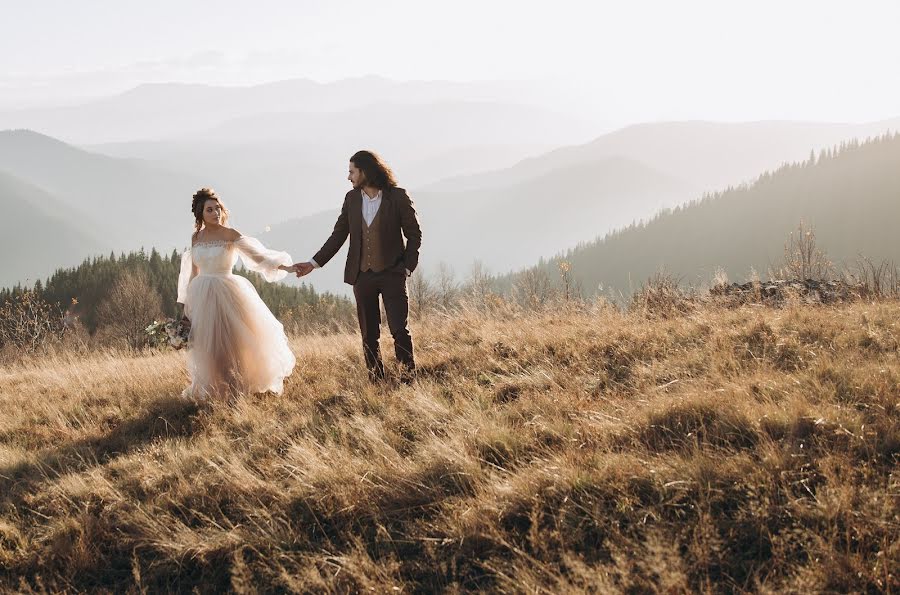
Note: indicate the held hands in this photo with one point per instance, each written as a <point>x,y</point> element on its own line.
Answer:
<point>301,269</point>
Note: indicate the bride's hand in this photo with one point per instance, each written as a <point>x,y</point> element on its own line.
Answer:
<point>289,269</point>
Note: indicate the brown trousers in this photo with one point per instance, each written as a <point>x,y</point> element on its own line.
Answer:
<point>391,285</point>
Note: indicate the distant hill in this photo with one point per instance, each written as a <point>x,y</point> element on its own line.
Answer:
<point>295,163</point>
<point>424,169</point>
<point>38,233</point>
<point>157,111</point>
<point>262,182</point>
<point>133,203</point>
<point>850,197</point>
<point>709,155</point>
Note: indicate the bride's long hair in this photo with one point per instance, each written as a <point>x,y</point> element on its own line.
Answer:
<point>377,172</point>
<point>200,198</point>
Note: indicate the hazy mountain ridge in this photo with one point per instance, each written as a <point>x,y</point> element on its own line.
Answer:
<point>37,234</point>
<point>155,111</point>
<point>848,196</point>
<point>711,155</point>
<point>130,201</point>
<point>394,127</point>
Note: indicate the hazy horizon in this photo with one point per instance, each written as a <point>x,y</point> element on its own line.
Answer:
<point>616,65</point>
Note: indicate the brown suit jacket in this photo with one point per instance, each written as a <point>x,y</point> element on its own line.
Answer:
<point>398,214</point>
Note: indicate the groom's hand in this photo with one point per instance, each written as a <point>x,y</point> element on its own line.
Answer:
<point>303,268</point>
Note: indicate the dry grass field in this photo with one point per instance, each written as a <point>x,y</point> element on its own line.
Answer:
<point>578,449</point>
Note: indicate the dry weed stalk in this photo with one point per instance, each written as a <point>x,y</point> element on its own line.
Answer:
<point>803,259</point>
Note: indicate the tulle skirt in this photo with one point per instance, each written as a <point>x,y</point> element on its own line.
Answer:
<point>235,345</point>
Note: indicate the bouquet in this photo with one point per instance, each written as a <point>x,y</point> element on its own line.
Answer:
<point>171,332</point>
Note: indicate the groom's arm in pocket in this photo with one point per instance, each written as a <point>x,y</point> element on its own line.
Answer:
<point>409,223</point>
<point>337,239</point>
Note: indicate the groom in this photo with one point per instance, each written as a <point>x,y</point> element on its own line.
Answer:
<point>374,214</point>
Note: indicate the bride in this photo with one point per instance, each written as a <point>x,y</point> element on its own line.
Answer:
<point>236,346</point>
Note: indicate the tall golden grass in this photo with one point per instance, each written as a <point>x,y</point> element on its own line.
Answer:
<point>580,448</point>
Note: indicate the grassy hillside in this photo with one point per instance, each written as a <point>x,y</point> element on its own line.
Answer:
<point>729,450</point>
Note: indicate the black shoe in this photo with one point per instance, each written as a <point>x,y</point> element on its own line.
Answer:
<point>407,377</point>
<point>376,377</point>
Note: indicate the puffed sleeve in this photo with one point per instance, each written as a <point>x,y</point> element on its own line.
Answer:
<point>184,277</point>
<point>260,259</point>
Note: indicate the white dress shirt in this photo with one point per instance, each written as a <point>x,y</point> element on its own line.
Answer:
<point>370,205</point>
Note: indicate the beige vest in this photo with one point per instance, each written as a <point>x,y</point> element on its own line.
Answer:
<point>372,257</point>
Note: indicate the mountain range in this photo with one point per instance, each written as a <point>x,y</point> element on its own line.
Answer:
<point>509,219</point>
<point>494,182</point>
<point>847,198</point>
<point>158,111</point>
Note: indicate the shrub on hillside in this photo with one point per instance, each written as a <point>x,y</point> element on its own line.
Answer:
<point>662,296</point>
<point>130,306</point>
<point>28,323</point>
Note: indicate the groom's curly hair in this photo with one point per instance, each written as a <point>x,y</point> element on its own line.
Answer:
<point>377,172</point>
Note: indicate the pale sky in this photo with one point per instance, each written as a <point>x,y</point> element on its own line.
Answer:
<point>634,61</point>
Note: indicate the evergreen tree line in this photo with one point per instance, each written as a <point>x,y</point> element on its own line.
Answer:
<point>81,290</point>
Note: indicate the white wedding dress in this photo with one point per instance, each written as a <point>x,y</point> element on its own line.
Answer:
<point>236,345</point>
